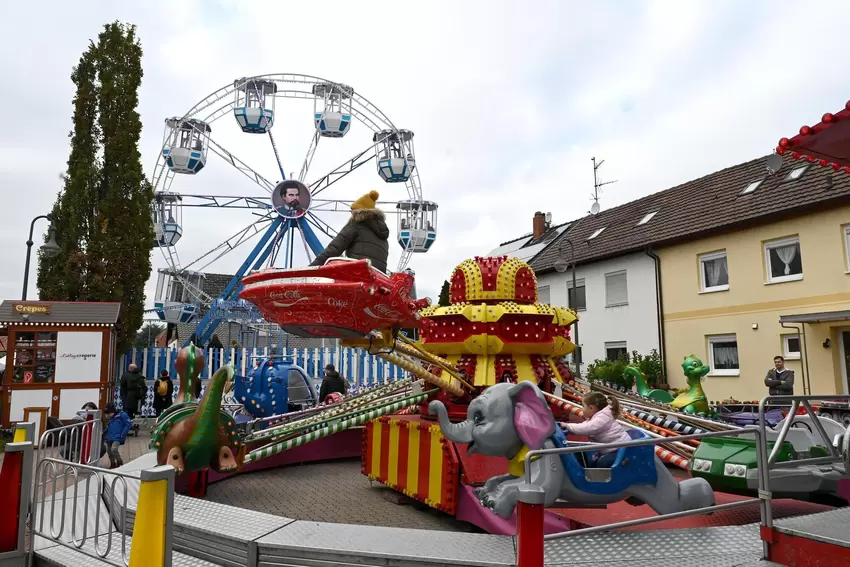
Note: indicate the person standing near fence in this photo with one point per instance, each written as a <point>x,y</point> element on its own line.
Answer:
<point>163,391</point>
<point>133,390</point>
<point>117,427</point>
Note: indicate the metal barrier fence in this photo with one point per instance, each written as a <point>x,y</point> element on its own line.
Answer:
<point>530,497</point>
<point>79,442</point>
<point>839,450</point>
<point>90,504</point>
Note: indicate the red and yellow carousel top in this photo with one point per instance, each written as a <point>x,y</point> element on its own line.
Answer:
<point>827,142</point>
<point>494,310</point>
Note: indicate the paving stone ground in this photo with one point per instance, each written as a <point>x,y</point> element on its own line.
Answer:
<point>327,492</point>
<point>324,492</point>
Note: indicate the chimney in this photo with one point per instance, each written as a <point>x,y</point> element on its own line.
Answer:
<point>539,225</point>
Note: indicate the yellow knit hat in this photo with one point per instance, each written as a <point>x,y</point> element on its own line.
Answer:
<point>367,201</point>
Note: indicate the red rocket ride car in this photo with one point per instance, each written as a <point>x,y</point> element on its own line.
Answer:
<point>342,299</point>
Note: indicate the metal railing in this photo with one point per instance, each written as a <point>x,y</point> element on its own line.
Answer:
<point>85,538</point>
<point>530,552</point>
<point>79,442</point>
<point>769,460</point>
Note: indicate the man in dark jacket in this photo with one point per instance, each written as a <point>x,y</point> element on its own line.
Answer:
<point>133,390</point>
<point>332,382</point>
<point>365,236</point>
<point>779,380</point>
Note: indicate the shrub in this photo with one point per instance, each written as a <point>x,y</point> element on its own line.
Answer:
<point>612,370</point>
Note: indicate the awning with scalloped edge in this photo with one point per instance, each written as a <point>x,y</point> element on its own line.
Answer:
<point>827,142</point>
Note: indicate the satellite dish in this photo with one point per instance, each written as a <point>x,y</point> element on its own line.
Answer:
<point>548,218</point>
<point>594,208</point>
<point>774,163</point>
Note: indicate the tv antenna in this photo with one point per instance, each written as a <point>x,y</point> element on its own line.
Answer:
<point>595,208</point>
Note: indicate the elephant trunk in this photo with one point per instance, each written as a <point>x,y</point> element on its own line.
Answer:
<point>456,432</point>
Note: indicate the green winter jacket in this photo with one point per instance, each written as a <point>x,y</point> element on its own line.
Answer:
<point>365,236</point>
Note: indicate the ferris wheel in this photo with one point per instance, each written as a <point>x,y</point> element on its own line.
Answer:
<point>287,210</point>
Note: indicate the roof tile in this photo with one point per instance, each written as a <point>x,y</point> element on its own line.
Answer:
<point>710,204</point>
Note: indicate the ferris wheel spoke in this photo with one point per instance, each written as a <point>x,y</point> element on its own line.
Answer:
<point>277,156</point>
<point>341,171</point>
<point>311,151</point>
<point>321,225</point>
<point>311,241</point>
<point>241,166</point>
<point>232,243</point>
<point>404,259</point>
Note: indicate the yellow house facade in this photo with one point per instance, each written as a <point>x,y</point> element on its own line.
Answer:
<point>740,297</point>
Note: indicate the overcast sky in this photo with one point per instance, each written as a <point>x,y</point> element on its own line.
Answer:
<point>508,101</point>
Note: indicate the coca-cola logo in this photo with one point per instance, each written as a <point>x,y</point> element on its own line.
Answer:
<point>383,311</point>
<point>288,294</point>
<point>337,303</point>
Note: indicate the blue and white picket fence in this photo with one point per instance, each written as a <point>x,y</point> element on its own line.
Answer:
<point>362,370</point>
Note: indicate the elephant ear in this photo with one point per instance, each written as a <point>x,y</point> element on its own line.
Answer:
<point>533,419</point>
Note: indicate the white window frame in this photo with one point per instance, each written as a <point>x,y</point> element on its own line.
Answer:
<point>617,273</point>
<point>768,246</point>
<point>579,283</point>
<point>787,353</point>
<point>847,247</point>
<point>708,257</point>
<point>722,371</point>
<point>548,292</point>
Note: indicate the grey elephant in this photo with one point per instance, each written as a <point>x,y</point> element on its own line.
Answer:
<point>508,420</point>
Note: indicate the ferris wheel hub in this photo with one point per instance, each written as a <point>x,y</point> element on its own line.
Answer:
<point>291,199</point>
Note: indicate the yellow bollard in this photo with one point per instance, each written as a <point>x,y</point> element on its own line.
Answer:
<point>151,546</point>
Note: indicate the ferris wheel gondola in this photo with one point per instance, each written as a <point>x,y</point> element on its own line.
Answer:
<point>291,208</point>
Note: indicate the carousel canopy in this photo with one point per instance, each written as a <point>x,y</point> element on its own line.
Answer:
<point>827,142</point>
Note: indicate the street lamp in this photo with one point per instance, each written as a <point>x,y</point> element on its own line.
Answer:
<point>50,249</point>
<point>561,266</point>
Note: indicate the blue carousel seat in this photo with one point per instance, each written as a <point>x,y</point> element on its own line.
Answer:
<point>634,465</point>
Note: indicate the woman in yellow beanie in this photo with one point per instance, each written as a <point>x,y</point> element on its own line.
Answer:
<point>365,236</point>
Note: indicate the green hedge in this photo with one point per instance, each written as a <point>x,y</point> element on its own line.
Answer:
<point>612,370</point>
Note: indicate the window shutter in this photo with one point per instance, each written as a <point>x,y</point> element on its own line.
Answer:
<point>616,292</point>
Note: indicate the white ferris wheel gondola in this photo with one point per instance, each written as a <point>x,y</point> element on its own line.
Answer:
<point>332,109</point>
<point>396,159</point>
<point>185,144</point>
<point>290,207</point>
<point>253,107</point>
<point>167,218</point>
<point>417,225</point>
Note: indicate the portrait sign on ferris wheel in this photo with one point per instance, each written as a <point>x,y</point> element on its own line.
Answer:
<point>291,199</point>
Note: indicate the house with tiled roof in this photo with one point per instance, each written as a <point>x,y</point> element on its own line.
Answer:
<point>749,263</point>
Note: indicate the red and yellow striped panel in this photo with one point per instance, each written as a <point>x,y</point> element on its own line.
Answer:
<point>413,457</point>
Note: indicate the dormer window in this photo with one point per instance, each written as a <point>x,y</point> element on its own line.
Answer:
<point>596,233</point>
<point>647,218</point>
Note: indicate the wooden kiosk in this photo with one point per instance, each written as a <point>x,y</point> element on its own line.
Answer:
<point>60,355</point>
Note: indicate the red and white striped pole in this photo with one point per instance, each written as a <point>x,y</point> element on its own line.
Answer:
<point>529,525</point>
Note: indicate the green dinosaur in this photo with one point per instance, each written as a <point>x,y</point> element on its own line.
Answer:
<point>192,436</point>
<point>694,401</point>
<point>643,389</point>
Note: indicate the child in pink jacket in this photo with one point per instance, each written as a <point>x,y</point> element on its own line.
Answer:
<point>600,426</point>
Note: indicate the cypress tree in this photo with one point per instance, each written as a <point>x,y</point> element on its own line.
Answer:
<point>102,216</point>
<point>445,295</point>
